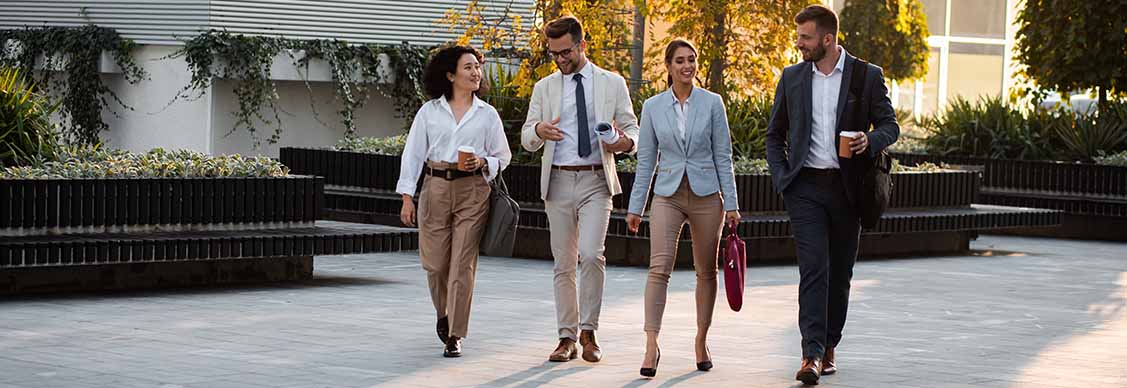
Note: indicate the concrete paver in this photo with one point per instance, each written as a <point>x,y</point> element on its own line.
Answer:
<point>1018,312</point>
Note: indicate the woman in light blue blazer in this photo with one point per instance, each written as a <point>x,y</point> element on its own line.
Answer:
<point>684,139</point>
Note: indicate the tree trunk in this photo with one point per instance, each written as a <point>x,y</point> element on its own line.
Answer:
<point>717,63</point>
<point>637,50</point>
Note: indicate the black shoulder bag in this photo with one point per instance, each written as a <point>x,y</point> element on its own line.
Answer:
<point>875,187</point>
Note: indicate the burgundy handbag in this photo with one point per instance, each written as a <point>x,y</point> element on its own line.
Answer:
<point>735,265</point>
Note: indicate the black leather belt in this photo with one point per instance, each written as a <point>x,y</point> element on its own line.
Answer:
<point>450,174</point>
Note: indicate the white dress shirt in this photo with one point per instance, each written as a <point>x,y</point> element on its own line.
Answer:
<point>682,110</point>
<point>567,150</point>
<point>823,129</point>
<point>435,136</point>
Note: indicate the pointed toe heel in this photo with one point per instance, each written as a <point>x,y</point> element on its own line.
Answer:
<point>651,372</point>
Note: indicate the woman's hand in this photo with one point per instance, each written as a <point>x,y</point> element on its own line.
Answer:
<point>407,212</point>
<point>474,163</point>
<point>732,216</point>
<point>633,221</point>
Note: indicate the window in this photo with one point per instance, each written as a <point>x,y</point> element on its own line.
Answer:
<point>930,92</point>
<point>974,70</point>
<point>978,18</point>
<point>936,11</point>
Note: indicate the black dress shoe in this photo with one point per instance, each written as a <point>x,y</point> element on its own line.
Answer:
<point>651,372</point>
<point>705,366</point>
<point>453,347</point>
<point>443,329</point>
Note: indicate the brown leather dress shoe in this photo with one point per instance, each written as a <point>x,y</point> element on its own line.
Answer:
<point>591,350</point>
<point>565,351</point>
<point>808,373</point>
<point>828,366</point>
<point>453,347</point>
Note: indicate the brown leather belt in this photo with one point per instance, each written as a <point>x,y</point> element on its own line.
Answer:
<point>592,167</point>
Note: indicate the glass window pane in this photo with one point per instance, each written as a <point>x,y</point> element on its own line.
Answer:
<point>978,18</point>
<point>974,70</point>
<point>905,96</point>
<point>838,5</point>
<point>930,93</point>
<point>936,11</point>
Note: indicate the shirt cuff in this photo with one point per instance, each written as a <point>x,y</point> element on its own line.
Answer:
<point>494,168</point>
<point>405,188</point>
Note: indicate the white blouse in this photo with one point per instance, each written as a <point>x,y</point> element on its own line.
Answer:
<point>436,136</point>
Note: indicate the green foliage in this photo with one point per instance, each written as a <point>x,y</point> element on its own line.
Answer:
<point>1084,136</point>
<point>912,134</point>
<point>1068,45</point>
<point>355,70</point>
<point>95,162</point>
<point>742,43</point>
<point>26,133</point>
<point>504,96</point>
<point>747,120</point>
<point>889,33</point>
<point>392,145</point>
<point>77,53</point>
<point>987,129</point>
<point>1119,159</point>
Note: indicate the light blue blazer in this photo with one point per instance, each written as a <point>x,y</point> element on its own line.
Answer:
<point>705,156</point>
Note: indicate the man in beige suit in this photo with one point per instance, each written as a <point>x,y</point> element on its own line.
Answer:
<point>578,176</point>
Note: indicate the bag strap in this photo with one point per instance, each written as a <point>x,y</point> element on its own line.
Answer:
<point>857,83</point>
<point>499,182</point>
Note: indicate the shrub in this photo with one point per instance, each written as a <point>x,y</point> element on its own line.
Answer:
<point>94,162</point>
<point>1084,136</point>
<point>1119,159</point>
<point>988,129</point>
<point>26,133</point>
<point>392,145</point>
<point>747,119</point>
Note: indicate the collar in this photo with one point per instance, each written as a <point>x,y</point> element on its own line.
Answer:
<point>839,66</point>
<point>477,103</point>
<point>673,96</point>
<point>588,72</point>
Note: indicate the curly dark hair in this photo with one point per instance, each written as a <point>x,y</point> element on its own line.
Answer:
<point>445,61</point>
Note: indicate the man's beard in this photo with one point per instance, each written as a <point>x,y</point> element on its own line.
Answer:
<point>814,55</point>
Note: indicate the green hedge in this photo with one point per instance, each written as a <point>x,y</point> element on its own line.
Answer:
<point>94,162</point>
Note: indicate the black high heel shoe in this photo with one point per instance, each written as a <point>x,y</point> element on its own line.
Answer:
<point>705,366</point>
<point>651,372</point>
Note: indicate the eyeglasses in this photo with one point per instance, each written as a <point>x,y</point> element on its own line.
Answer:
<point>565,52</point>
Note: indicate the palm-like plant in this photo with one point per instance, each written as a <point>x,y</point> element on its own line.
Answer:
<point>26,134</point>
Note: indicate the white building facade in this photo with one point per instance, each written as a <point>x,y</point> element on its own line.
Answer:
<point>205,124</point>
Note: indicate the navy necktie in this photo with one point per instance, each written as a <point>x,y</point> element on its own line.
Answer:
<point>581,110</point>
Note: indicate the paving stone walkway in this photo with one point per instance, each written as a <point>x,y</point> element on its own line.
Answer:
<point>1019,312</point>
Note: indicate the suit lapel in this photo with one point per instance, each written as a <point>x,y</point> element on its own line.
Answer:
<point>691,119</point>
<point>598,82</point>
<point>843,94</point>
<point>667,99</point>
<point>807,86</point>
<point>555,95</point>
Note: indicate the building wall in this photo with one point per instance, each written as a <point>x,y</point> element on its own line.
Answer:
<point>203,124</point>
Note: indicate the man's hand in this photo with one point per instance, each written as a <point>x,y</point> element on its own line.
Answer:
<point>860,144</point>
<point>622,145</point>
<point>549,130</point>
<point>632,222</point>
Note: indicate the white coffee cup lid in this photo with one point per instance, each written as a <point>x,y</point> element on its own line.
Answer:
<point>466,149</point>
<point>850,134</point>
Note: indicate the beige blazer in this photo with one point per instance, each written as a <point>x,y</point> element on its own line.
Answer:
<point>612,104</point>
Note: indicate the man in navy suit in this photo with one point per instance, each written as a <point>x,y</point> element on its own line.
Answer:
<point>815,102</point>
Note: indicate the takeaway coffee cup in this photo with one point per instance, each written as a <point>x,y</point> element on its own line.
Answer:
<point>606,133</point>
<point>465,153</point>
<point>843,148</point>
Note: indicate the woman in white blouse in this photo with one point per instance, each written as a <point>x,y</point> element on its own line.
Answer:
<point>454,200</point>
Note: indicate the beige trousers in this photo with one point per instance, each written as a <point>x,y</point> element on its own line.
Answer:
<point>667,217</point>
<point>578,208</point>
<point>452,216</point>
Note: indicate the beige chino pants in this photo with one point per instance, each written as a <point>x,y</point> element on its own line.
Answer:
<point>667,217</point>
<point>452,216</point>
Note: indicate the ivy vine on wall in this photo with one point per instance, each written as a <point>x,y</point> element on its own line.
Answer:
<point>71,57</point>
<point>355,70</point>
